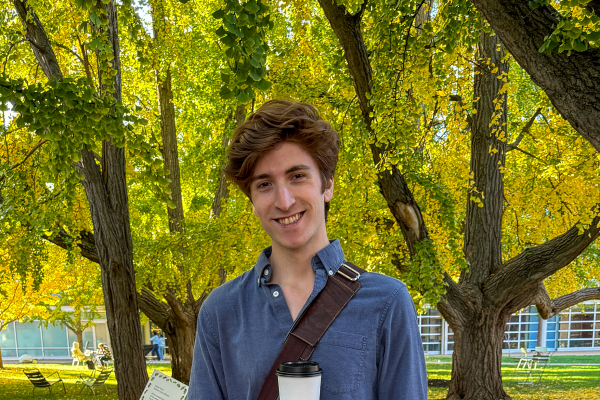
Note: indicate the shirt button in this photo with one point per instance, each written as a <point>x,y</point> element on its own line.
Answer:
<point>266,272</point>
<point>276,294</point>
<point>330,273</point>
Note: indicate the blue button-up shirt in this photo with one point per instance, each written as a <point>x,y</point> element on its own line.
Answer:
<point>372,350</point>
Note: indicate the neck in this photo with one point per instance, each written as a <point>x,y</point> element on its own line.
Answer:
<point>291,266</point>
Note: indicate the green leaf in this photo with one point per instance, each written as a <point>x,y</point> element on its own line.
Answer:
<point>593,36</point>
<point>95,19</point>
<point>252,7</point>
<point>228,40</point>
<point>225,77</point>
<point>230,18</point>
<point>219,14</point>
<point>565,47</point>
<point>233,29</point>
<point>256,74</point>
<point>250,42</point>
<point>221,32</point>
<point>578,45</point>
<point>263,85</point>
<point>243,97</point>
<point>225,93</point>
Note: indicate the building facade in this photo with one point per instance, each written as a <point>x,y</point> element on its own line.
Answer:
<point>576,329</point>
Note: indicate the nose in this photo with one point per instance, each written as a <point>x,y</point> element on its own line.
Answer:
<point>284,198</point>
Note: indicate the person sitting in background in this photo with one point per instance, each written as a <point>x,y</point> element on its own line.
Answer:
<point>76,352</point>
<point>103,354</point>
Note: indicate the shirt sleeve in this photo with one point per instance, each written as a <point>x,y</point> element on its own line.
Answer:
<point>402,371</point>
<point>207,378</point>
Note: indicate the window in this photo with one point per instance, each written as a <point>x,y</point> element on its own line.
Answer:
<point>521,330</point>
<point>430,325</point>
<point>579,326</point>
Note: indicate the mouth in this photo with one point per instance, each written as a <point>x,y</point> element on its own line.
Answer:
<point>289,220</point>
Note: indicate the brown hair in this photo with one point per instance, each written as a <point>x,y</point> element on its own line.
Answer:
<point>275,122</point>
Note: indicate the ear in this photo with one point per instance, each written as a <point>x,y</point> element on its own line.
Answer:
<point>329,191</point>
<point>254,210</point>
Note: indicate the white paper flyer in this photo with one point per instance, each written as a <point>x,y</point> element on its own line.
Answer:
<point>163,387</point>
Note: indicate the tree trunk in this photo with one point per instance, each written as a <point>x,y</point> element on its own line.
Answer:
<point>1,362</point>
<point>181,336</point>
<point>479,330</point>
<point>180,327</point>
<point>222,187</point>
<point>106,190</point>
<point>178,321</point>
<point>79,335</point>
<point>477,357</point>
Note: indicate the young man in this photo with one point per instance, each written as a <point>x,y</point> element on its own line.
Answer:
<point>284,157</point>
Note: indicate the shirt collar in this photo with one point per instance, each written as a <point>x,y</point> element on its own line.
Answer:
<point>330,258</point>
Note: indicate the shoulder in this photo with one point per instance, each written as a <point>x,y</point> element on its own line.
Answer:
<point>389,295</point>
<point>377,284</point>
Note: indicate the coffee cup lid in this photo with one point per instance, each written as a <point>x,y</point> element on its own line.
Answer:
<point>299,369</point>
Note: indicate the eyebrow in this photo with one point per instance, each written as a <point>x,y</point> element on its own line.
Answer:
<point>295,168</point>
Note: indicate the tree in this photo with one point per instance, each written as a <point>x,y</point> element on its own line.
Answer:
<point>22,295</point>
<point>413,151</point>
<point>478,306</point>
<point>81,292</point>
<point>104,183</point>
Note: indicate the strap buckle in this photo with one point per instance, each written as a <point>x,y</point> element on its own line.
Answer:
<point>353,279</point>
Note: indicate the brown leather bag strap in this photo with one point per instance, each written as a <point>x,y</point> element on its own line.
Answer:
<point>312,324</point>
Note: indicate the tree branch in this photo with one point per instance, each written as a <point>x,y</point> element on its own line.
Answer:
<point>394,187</point>
<point>156,310</point>
<point>459,100</point>
<point>40,45</point>
<point>525,130</point>
<point>453,304</point>
<point>524,152</point>
<point>175,305</point>
<point>29,154</point>
<point>86,243</point>
<point>8,53</point>
<point>72,52</point>
<point>199,301</point>
<point>549,308</point>
<point>570,79</point>
<point>525,271</point>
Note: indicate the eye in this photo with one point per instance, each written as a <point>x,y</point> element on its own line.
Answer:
<point>298,176</point>
<point>262,185</point>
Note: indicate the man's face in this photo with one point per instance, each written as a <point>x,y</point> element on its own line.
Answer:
<point>287,198</point>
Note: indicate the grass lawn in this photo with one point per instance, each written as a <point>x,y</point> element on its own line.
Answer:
<point>515,358</point>
<point>14,385</point>
<point>572,382</point>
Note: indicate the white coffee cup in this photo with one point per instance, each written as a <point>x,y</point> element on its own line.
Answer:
<point>299,380</point>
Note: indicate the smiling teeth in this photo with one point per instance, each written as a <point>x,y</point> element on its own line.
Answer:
<point>289,220</point>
